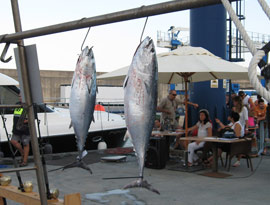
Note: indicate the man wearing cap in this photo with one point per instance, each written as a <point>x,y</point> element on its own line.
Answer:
<point>168,106</point>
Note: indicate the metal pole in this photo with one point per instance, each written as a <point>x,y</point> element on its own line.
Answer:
<point>29,104</point>
<point>125,15</point>
<point>10,106</point>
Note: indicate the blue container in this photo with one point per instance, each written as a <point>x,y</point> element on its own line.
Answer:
<point>212,99</point>
<point>208,30</point>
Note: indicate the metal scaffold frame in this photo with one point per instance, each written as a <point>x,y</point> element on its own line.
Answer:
<point>19,35</point>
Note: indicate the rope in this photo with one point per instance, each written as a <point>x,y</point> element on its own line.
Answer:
<point>265,7</point>
<point>257,55</point>
<point>252,74</point>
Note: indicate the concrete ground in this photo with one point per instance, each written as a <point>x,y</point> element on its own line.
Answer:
<point>176,187</point>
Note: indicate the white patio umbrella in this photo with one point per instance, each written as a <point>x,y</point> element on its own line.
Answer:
<point>192,64</point>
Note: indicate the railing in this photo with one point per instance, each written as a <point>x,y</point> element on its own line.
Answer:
<point>166,37</point>
<point>258,39</point>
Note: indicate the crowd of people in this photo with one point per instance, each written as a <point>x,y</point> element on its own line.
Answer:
<point>243,115</point>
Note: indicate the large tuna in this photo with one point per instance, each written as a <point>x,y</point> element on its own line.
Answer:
<point>140,101</point>
<point>82,101</point>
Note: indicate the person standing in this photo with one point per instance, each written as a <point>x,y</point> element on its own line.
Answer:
<point>260,111</point>
<point>21,136</point>
<point>247,101</point>
<point>168,106</point>
<point>260,115</point>
<point>242,111</point>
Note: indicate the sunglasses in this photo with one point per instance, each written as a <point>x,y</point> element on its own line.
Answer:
<point>174,94</point>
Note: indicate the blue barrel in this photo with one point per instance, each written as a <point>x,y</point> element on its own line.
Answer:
<point>208,30</point>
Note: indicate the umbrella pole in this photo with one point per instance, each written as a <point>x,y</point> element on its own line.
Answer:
<point>186,113</point>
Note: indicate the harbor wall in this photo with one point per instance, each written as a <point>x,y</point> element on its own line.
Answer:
<point>51,82</point>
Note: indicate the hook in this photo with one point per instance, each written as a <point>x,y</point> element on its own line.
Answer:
<point>85,38</point>
<point>3,55</point>
<point>143,28</point>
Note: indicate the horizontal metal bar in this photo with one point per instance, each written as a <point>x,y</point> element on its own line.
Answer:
<point>18,169</point>
<point>10,106</point>
<point>125,15</point>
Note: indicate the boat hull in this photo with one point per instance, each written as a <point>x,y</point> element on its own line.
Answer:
<point>67,143</point>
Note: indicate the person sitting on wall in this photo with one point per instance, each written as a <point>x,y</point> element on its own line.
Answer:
<point>204,127</point>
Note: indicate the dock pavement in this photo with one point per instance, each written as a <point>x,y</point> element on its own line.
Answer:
<point>176,187</point>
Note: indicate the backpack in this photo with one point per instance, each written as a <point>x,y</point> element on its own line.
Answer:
<point>227,132</point>
<point>21,126</point>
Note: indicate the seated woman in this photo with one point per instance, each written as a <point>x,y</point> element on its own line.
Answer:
<point>238,132</point>
<point>204,129</point>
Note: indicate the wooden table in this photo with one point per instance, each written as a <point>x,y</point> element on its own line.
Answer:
<point>215,141</point>
<point>168,133</point>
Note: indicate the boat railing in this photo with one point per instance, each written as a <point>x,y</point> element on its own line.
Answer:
<point>112,105</point>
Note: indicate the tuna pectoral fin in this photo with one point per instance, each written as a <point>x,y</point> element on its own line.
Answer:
<point>78,163</point>
<point>125,82</point>
<point>141,183</point>
<point>70,125</point>
<point>127,135</point>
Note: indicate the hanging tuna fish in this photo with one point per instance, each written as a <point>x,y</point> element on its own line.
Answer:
<point>140,101</point>
<point>82,102</point>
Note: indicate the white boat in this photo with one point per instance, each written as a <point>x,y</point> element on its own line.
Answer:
<point>54,123</point>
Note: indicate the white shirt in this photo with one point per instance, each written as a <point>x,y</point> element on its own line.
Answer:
<point>242,128</point>
<point>243,116</point>
<point>245,100</point>
<point>202,131</point>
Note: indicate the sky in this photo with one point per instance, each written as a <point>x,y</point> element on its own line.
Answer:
<point>114,44</point>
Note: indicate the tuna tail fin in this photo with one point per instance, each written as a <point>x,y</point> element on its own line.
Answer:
<point>78,163</point>
<point>141,183</point>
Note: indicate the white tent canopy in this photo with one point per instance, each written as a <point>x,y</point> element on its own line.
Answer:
<point>195,63</point>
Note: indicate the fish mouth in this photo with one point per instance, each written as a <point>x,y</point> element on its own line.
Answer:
<point>150,46</point>
<point>89,51</point>
<point>149,43</point>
